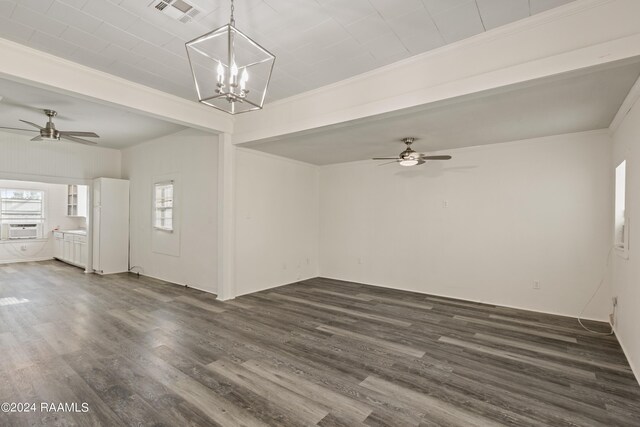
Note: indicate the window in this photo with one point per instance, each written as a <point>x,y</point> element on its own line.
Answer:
<point>21,213</point>
<point>621,229</point>
<point>163,206</point>
<point>21,206</point>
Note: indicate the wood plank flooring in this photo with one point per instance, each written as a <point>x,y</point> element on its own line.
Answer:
<point>322,352</point>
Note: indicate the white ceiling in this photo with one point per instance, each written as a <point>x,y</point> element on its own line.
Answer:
<point>117,128</point>
<point>575,102</point>
<point>316,42</point>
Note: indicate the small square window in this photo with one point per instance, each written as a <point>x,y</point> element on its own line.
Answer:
<point>163,206</point>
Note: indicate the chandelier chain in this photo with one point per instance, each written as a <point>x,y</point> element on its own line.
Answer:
<point>232,21</point>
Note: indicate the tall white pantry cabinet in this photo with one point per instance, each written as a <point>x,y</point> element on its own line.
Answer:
<point>110,225</point>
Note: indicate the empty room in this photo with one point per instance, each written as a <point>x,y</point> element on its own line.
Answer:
<point>319,212</point>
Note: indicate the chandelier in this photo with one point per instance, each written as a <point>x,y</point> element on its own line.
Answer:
<point>231,72</point>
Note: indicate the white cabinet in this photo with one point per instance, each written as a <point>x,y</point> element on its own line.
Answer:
<point>70,248</point>
<point>67,248</point>
<point>58,245</point>
<point>110,225</point>
<point>80,250</point>
<point>77,200</point>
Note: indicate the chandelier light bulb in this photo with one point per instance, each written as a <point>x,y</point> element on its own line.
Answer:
<point>244,79</point>
<point>220,71</point>
<point>234,72</point>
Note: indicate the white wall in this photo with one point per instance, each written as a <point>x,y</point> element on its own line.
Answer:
<point>517,212</point>
<point>59,161</point>
<point>626,272</point>
<point>276,220</point>
<point>55,206</point>
<point>189,254</point>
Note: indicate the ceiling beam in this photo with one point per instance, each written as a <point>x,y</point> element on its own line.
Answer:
<point>581,34</point>
<point>36,68</point>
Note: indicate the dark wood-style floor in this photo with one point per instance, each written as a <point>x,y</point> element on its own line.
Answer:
<point>143,352</point>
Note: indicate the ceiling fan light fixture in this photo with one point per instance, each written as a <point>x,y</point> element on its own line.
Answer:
<point>408,162</point>
<point>409,157</point>
<point>231,72</point>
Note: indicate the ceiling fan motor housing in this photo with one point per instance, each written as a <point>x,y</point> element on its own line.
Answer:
<point>50,131</point>
<point>408,153</point>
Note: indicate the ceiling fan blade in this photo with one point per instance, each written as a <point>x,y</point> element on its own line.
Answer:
<point>388,163</point>
<point>26,130</point>
<point>37,138</point>
<point>78,140</point>
<point>436,157</point>
<point>32,124</point>
<point>74,133</point>
<point>385,158</point>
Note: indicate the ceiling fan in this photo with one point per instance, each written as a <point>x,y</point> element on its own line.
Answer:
<point>409,157</point>
<point>50,133</point>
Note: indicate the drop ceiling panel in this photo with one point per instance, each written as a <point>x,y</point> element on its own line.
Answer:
<point>459,22</point>
<point>73,17</point>
<point>15,31</point>
<point>318,41</point>
<point>83,39</point>
<point>6,7</point>
<point>110,12</point>
<point>538,6</point>
<point>495,13</point>
<point>37,20</point>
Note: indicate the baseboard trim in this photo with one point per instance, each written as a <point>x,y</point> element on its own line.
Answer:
<point>472,300</point>
<point>635,371</point>
<point>175,283</point>
<point>15,261</point>
<point>277,286</point>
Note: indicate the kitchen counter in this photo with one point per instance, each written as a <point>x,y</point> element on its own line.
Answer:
<point>76,232</point>
<point>70,246</point>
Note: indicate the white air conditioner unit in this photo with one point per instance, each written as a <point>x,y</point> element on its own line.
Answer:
<point>24,231</point>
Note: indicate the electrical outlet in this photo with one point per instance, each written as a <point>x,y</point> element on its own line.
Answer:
<point>536,284</point>
<point>359,260</point>
<point>445,203</point>
<point>23,248</point>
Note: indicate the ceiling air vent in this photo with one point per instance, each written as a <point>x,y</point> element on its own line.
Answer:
<point>176,9</point>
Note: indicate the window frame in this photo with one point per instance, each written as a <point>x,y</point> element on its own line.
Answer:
<point>40,221</point>
<point>621,217</point>
<point>157,208</point>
